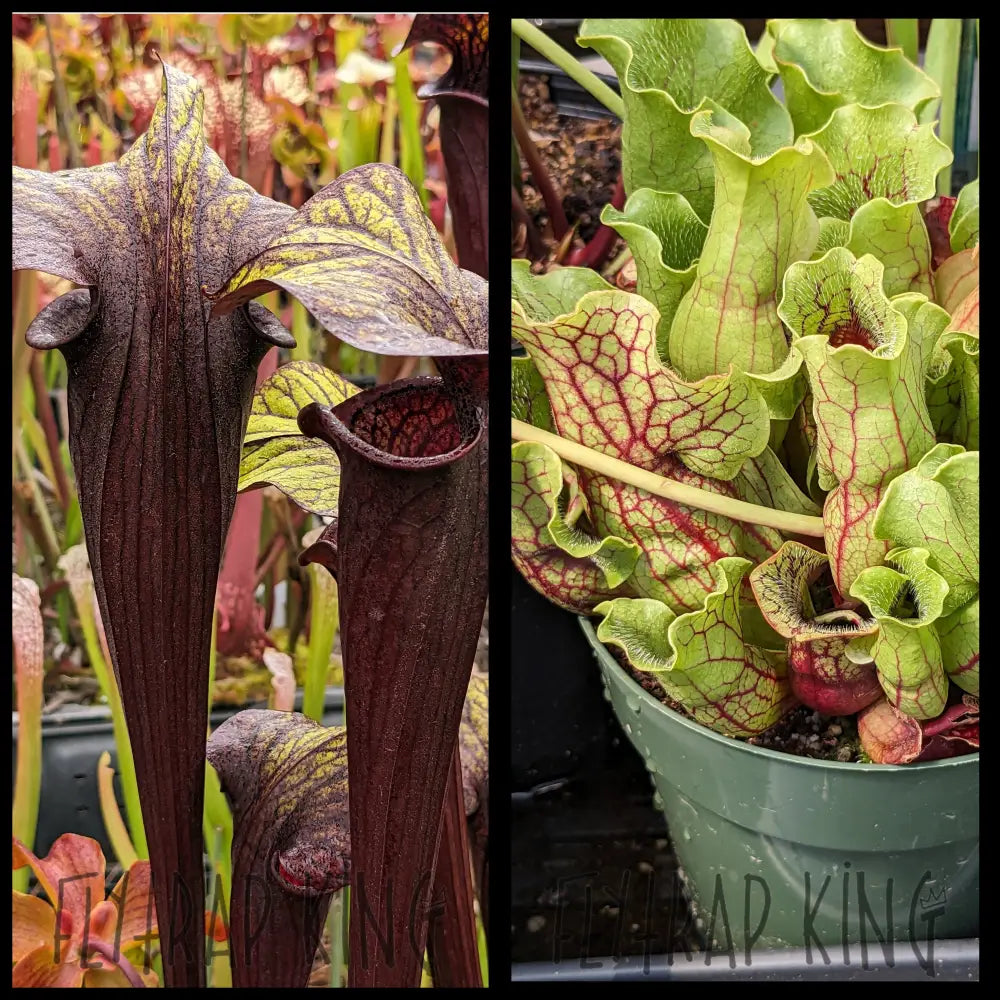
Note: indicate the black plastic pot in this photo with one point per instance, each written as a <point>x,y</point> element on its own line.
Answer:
<point>559,722</point>
<point>566,94</point>
<point>73,740</point>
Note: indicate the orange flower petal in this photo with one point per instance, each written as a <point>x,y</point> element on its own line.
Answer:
<point>103,922</point>
<point>34,924</point>
<point>215,926</point>
<point>39,970</point>
<point>133,892</point>
<point>72,873</point>
<point>106,979</point>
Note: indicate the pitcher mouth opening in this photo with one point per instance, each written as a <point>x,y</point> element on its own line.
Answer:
<point>416,423</point>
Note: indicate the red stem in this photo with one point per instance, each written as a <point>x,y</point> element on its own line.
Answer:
<point>520,216</point>
<point>274,549</point>
<point>551,197</point>
<point>244,634</point>
<point>596,252</point>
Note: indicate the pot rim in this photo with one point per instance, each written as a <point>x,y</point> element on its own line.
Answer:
<point>738,746</point>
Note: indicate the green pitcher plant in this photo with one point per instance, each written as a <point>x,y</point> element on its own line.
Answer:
<point>759,469</point>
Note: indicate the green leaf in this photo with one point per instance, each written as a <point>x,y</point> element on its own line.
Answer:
<point>665,237</point>
<point>867,368</point>
<point>679,544</point>
<point>609,391</point>
<point>305,470</point>
<point>700,658</point>
<point>963,226</point>
<point>864,365</point>
<point>935,506</point>
<point>278,400</point>
<point>895,235</point>
<point>944,44</point>
<point>953,389</point>
<point>832,233</point>
<point>765,54</point>
<point>669,69</point>
<point>959,637</point>
<point>904,33</point>
<point>366,261</point>
<point>277,453</point>
<point>554,554</point>
<point>906,602</point>
<point>952,386</point>
<point>546,296</point>
<point>762,222</point>
<point>650,418</point>
<point>827,64</point>
<point>261,28</point>
<point>783,389</point>
<point>877,153</point>
<point>528,401</point>
<point>765,481</point>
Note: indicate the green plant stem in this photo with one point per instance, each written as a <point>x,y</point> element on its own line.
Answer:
<point>335,926</point>
<point>114,825</point>
<point>47,419</point>
<point>484,961</point>
<point>557,55</point>
<point>218,973</point>
<point>617,264</point>
<point>411,146</point>
<point>39,513</point>
<point>86,609</point>
<point>904,33</point>
<point>302,332</point>
<point>26,308</point>
<point>28,777</point>
<point>217,819</point>
<point>64,120</point>
<point>690,496</point>
<point>944,43</point>
<point>36,445</point>
<point>387,140</point>
<point>322,632</point>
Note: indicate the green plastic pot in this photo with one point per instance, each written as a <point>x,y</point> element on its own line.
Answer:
<point>785,851</point>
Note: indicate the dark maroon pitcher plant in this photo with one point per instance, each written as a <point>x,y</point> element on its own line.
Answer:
<point>462,95</point>
<point>162,343</point>
<point>159,394</point>
<point>407,562</point>
<point>286,778</point>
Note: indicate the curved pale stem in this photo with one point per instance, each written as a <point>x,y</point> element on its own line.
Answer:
<point>556,54</point>
<point>690,496</point>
